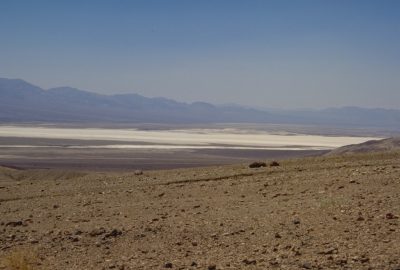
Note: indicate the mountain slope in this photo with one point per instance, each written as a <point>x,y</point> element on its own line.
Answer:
<point>23,102</point>
<point>390,144</point>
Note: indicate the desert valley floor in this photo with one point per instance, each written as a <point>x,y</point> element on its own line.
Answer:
<point>311,213</point>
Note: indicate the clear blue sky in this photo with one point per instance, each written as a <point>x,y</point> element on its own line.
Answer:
<point>281,54</point>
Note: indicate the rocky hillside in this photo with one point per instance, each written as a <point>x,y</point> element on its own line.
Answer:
<point>390,144</point>
<point>339,212</point>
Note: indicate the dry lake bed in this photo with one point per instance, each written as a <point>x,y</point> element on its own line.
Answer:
<point>131,148</point>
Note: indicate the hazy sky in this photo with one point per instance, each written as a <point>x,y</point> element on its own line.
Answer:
<point>281,54</point>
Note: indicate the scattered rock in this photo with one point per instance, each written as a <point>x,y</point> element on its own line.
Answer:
<point>138,172</point>
<point>97,232</point>
<point>34,241</point>
<point>74,238</point>
<point>296,221</point>
<point>342,261</point>
<point>360,218</point>
<point>328,251</point>
<point>257,164</point>
<point>168,265</point>
<point>15,223</point>
<point>249,262</point>
<point>295,232</point>
<point>364,260</point>
<point>391,216</point>
<point>113,233</point>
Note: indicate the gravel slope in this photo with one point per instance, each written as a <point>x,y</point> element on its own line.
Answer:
<point>337,212</point>
<point>385,145</point>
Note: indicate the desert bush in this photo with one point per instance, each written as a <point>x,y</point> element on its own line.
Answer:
<point>257,164</point>
<point>274,163</point>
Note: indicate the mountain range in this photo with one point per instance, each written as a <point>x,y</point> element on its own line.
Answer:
<point>21,101</point>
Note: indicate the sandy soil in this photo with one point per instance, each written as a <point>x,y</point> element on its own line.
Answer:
<point>310,213</point>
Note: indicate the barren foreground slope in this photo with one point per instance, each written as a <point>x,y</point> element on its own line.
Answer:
<point>313,213</point>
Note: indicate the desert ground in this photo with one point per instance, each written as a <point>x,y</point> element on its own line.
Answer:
<point>156,147</point>
<point>328,212</point>
<point>56,154</point>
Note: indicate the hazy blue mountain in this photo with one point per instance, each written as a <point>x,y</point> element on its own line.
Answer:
<point>21,101</point>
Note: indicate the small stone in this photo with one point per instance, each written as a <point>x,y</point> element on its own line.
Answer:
<point>113,233</point>
<point>212,267</point>
<point>97,231</point>
<point>391,216</point>
<point>74,238</point>
<point>274,262</point>
<point>138,172</point>
<point>168,265</point>
<point>328,251</point>
<point>342,262</point>
<point>15,223</point>
<point>306,265</point>
<point>296,221</point>
<point>248,262</point>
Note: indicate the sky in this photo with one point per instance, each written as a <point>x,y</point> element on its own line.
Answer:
<point>259,53</point>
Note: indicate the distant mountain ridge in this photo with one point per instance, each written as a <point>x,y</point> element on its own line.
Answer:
<point>21,101</point>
